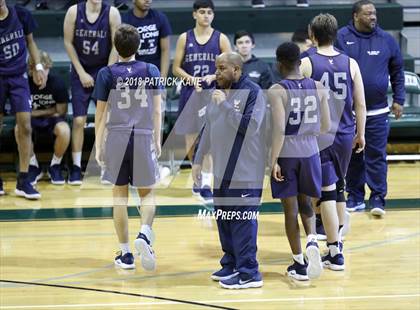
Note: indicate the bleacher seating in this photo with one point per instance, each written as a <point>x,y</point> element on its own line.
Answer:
<point>271,26</point>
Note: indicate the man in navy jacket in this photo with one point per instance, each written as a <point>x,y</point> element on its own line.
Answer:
<point>233,134</point>
<point>379,59</point>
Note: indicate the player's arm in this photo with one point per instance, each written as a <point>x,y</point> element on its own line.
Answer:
<point>43,113</point>
<point>61,109</point>
<point>306,67</point>
<point>157,107</point>
<point>224,44</point>
<point>201,149</point>
<point>276,96</point>
<point>101,93</point>
<point>359,105</point>
<point>164,56</point>
<point>69,26</point>
<point>325,110</point>
<point>38,74</point>
<point>157,122</point>
<point>100,129</point>
<point>179,57</point>
<point>114,22</point>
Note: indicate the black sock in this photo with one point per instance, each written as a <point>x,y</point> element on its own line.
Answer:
<point>22,176</point>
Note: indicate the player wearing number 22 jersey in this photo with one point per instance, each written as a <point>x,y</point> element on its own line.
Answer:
<point>195,60</point>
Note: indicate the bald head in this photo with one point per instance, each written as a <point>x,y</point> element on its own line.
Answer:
<point>231,58</point>
<point>228,69</point>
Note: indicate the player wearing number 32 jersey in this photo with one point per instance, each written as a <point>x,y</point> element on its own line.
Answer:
<point>88,31</point>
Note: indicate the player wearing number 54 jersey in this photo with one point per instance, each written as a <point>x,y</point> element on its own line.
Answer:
<point>129,106</point>
<point>88,31</point>
<point>194,62</point>
<point>341,75</point>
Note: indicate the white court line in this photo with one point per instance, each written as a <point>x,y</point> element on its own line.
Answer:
<point>223,301</point>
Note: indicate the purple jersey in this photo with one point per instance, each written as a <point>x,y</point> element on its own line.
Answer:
<point>129,87</point>
<point>302,107</point>
<point>302,111</point>
<point>199,59</point>
<point>92,41</point>
<point>334,73</point>
<point>13,30</point>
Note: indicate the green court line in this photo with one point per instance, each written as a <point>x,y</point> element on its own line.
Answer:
<point>162,211</point>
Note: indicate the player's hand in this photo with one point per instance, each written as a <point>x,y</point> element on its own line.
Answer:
<point>196,174</point>
<point>397,110</point>
<point>276,173</point>
<point>359,143</point>
<point>39,78</point>
<point>99,157</point>
<point>158,150</point>
<point>197,84</point>
<point>218,96</point>
<point>164,94</point>
<point>208,79</point>
<point>86,80</point>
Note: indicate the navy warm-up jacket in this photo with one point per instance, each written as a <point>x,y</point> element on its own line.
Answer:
<point>379,59</point>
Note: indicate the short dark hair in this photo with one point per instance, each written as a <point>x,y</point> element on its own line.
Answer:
<point>243,33</point>
<point>300,36</point>
<point>203,4</point>
<point>324,28</point>
<point>126,40</point>
<point>357,6</point>
<point>288,54</point>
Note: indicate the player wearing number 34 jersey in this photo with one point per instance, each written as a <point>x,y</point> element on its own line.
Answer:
<point>129,106</point>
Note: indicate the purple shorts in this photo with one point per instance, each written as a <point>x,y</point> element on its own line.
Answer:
<point>336,158</point>
<point>45,123</point>
<point>302,176</point>
<point>191,112</point>
<point>16,88</point>
<point>130,158</point>
<point>80,96</point>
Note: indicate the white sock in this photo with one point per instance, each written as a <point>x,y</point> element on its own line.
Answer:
<point>311,238</point>
<point>299,258</point>
<point>77,158</point>
<point>334,250</point>
<point>148,232</point>
<point>56,160</point>
<point>125,248</point>
<point>33,161</point>
<point>206,179</point>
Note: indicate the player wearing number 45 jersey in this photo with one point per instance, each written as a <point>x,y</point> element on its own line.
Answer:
<point>131,112</point>
<point>16,27</point>
<point>341,75</point>
<point>194,61</point>
<point>88,31</point>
